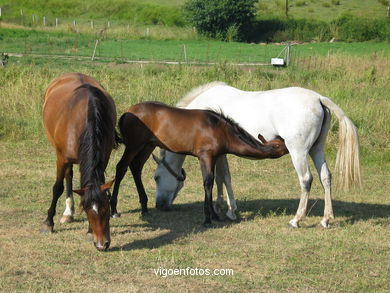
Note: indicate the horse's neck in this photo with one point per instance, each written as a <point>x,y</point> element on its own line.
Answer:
<point>239,147</point>
<point>175,161</point>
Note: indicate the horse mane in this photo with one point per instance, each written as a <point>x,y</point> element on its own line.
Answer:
<point>195,92</point>
<point>95,139</point>
<point>244,135</point>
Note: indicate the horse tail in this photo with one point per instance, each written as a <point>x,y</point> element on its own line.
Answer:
<point>97,138</point>
<point>347,160</point>
<point>195,92</point>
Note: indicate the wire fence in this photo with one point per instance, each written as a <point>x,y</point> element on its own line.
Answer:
<point>104,40</point>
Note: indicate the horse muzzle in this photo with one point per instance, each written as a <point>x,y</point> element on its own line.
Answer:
<point>102,246</point>
<point>163,206</point>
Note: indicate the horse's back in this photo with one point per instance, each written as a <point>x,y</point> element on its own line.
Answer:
<point>287,112</point>
<point>167,124</point>
<point>65,110</point>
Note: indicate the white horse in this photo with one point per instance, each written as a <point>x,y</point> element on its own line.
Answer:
<point>300,116</point>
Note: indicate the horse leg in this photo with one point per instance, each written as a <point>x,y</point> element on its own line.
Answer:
<point>301,166</point>
<point>121,169</point>
<point>219,182</point>
<point>136,167</point>
<point>325,177</point>
<point>67,216</point>
<point>207,165</point>
<point>222,171</point>
<point>318,156</point>
<point>58,189</point>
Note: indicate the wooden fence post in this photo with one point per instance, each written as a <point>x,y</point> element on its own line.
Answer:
<point>94,50</point>
<point>185,53</point>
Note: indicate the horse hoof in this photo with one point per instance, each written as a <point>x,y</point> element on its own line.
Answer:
<point>89,237</point>
<point>66,219</point>
<point>293,224</point>
<point>231,216</point>
<point>116,215</point>
<point>46,229</point>
<point>324,224</point>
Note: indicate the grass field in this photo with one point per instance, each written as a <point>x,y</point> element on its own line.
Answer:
<point>32,42</point>
<point>264,254</point>
<point>317,9</point>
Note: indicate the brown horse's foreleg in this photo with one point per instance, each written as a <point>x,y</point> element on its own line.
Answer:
<point>67,216</point>
<point>121,169</point>
<point>136,167</point>
<point>207,165</point>
<point>58,189</point>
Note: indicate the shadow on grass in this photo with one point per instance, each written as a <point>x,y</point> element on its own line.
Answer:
<point>186,219</point>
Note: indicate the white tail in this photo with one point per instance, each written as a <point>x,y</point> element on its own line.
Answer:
<point>347,161</point>
<point>195,92</point>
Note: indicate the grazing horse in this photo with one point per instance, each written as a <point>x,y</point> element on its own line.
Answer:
<point>79,117</point>
<point>201,133</point>
<point>300,116</point>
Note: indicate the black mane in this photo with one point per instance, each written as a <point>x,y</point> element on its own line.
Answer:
<point>241,132</point>
<point>97,138</point>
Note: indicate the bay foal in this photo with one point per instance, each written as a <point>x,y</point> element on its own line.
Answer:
<point>201,133</point>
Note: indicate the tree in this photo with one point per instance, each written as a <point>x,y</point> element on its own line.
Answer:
<point>221,19</point>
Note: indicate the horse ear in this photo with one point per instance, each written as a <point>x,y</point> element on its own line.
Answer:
<point>106,186</point>
<point>262,139</point>
<point>79,191</point>
<point>156,159</point>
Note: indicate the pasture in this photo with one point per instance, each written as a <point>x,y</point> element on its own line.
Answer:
<point>265,255</point>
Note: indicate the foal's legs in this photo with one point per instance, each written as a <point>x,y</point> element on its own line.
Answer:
<point>223,175</point>
<point>136,167</point>
<point>207,165</point>
<point>67,216</point>
<point>58,188</point>
<point>121,169</point>
<point>299,159</point>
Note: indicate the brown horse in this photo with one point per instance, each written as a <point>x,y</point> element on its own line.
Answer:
<point>201,133</point>
<point>79,117</point>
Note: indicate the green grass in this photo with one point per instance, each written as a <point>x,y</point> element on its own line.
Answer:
<point>318,9</point>
<point>265,255</point>
<point>82,45</point>
<point>323,9</point>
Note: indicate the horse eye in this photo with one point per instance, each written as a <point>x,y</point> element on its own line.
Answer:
<point>156,178</point>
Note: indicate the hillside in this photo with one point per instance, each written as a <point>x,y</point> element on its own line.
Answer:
<point>169,11</point>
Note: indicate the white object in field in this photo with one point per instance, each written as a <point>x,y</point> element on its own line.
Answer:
<point>277,61</point>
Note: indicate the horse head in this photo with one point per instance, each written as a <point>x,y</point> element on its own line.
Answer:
<point>169,181</point>
<point>96,205</point>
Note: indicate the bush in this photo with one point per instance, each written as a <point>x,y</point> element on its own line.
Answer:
<point>281,29</point>
<point>215,18</point>
<point>351,28</point>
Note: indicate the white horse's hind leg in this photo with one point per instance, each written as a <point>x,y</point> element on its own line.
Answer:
<point>67,216</point>
<point>325,177</point>
<point>222,171</point>
<point>301,166</point>
<point>318,156</point>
